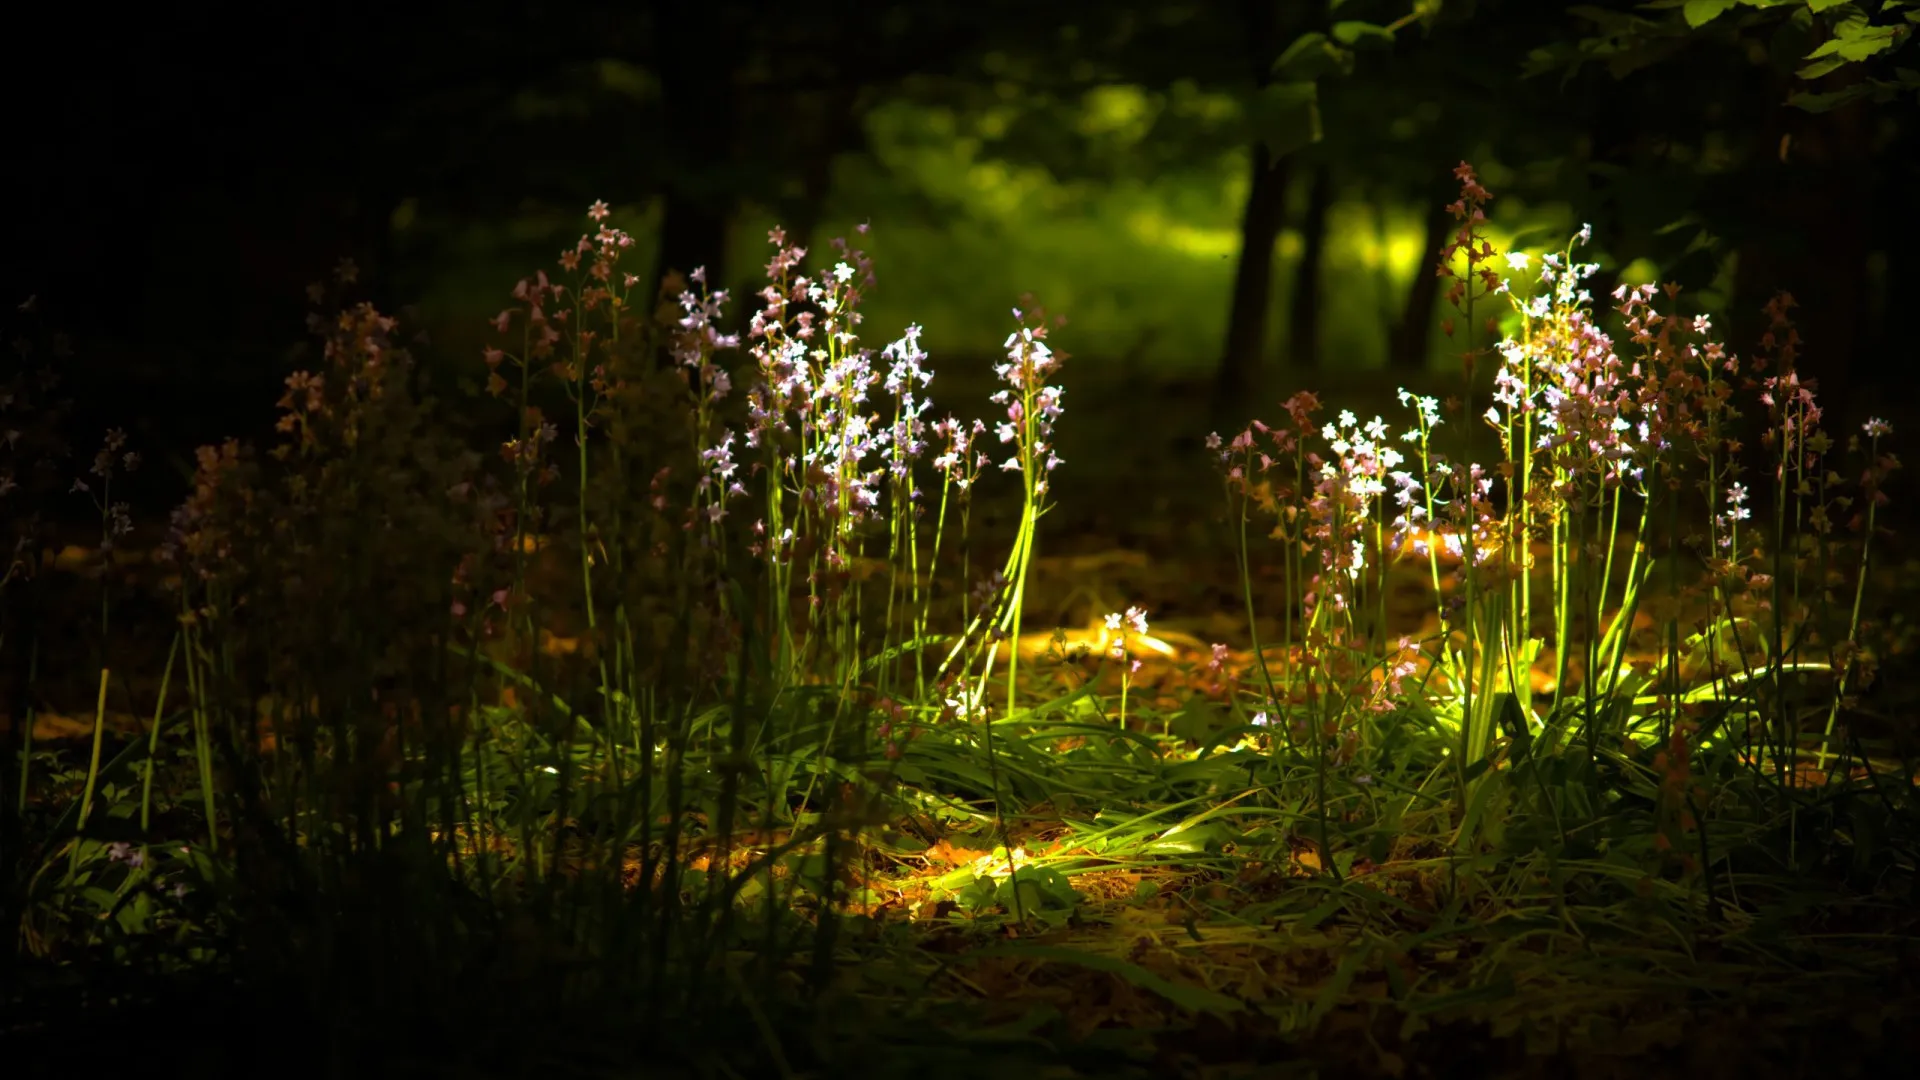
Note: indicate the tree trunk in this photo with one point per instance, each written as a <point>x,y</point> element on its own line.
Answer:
<point>700,98</point>
<point>1260,223</point>
<point>836,131</point>
<point>1815,195</point>
<point>1303,307</point>
<point>1407,346</point>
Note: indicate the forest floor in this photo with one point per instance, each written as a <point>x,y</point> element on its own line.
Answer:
<point>1197,941</point>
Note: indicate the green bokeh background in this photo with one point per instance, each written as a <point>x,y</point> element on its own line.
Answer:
<point>1141,267</point>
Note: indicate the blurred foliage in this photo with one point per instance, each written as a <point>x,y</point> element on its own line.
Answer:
<point>1100,158</point>
<point>1842,52</point>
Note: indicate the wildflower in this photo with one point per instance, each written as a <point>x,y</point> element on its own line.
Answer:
<point>1876,427</point>
<point>1032,407</point>
<point>961,701</point>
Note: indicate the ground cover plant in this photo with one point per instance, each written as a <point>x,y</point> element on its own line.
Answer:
<point>709,722</point>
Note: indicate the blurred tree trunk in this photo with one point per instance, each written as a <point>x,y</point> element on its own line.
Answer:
<point>1303,308</point>
<point>700,98</point>
<point>1260,225</point>
<point>1817,208</point>
<point>1260,222</point>
<point>835,131</point>
<point>1407,345</point>
<point>1811,202</point>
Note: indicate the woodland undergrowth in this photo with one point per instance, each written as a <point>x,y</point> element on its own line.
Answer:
<point>697,712</point>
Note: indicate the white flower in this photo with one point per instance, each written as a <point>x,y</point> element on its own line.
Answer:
<point>1518,260</point>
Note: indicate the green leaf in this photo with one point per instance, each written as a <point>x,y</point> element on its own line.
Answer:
<point>1820,67</point>
<point>1312,919</point>
<point>1699,13</point>
<point>1498,989</point>
<point>1855,40</point>
<point>1362,35</point>
<point>1285,116</point>
<point>1819,103</point>
<point>1190,840</point>
<point>1818,6</point>
<point>1190,998</point>
<point>1036,887</point>
<point>1310,56</point>
<point>976,896</point>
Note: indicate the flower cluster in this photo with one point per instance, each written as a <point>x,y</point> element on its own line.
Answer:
<point>1032,404</point>
<point>812,411</point>
<point>553,320</point>
<point>698,338</point>
<point>1346,500</point>
<point>906,436</point>
<point>1477,252</point>
<point>1119,627</point>
<point>115,518</point>
<point>1389,682</point>
<point>200,537</point>
<point>1880,464</point>
<point>696,341</point>
<point>961,462</point>
<point>1562,385</point>
<point>1415,495</point>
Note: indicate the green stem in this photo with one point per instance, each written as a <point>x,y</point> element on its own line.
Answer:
<point>30,716</point>
<point>93,773</point>
<point>153,737</point>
